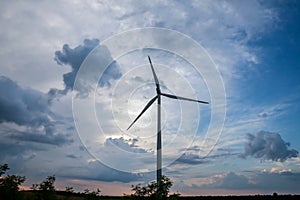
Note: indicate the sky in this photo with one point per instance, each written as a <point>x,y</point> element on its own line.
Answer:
<point>75,74</point>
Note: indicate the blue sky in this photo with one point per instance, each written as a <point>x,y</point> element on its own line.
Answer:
<point>254,45</point>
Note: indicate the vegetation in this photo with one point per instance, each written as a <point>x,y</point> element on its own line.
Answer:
<point>46,189</point>
<point>9,184</point>
<point>9,189</point>
<point>92,195</point>
<point>153,190</point>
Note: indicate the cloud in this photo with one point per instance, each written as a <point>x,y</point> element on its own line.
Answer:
<point>269,146</point>
<point>57,139</point>
<point>127,145</point>
<point>23,106</point>
<point>192,156</point>
<point>108,174</point>
<point>72,156</point>
<point>263,115</point>
<point>219,181</point>
<point>257,181</point>
<point>286,181</point>
<point>191,159</point>
<point>97,171</point>
<point>29,110</point>
<point>232,180</point>
<point>74,58</point>
<point>195,159</point>
<point>9,149</point>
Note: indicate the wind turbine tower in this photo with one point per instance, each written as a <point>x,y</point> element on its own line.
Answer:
<point>158,98</point>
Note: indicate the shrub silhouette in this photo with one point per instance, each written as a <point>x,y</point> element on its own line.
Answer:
<point>153,191</point>
<point>9,184</point>
<point>92,195</point>
<point>46,189</point>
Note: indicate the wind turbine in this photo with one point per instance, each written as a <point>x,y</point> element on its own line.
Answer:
<point>158,98</point>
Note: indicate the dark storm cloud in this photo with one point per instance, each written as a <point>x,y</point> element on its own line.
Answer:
<point>74,58</point>
<point>10,149</point>
<point>15,152</point>
<point>57,139</point>
<point>269,146</point>
<point>23,106</point>
<point>30,109</point>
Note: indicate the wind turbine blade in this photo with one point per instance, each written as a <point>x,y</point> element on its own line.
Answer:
<point>146,107</point>
<point>153,72</point>
<point>182,98</point>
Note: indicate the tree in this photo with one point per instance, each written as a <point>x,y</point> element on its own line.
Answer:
<point>69,190</point>
<point>46,189</point>
<point>48,184</point>
<point>164,187</point>
<point>9,184</point>
<point>3,169</point>
<point>152,190</point>
<point>92,195</point>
